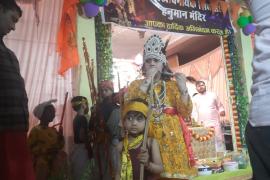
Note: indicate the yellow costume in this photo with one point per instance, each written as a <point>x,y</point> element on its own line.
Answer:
<point>45,145</point>
<point>166,128</point>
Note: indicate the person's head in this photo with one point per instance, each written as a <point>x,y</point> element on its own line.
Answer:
<point>200,86</point>
<point>10,13</point>
<point>48,114</point>
<point>80,104</point>
<point>45,112</point>
<point>134,116</point>
<point>154,56</point>
<point>106,88</point>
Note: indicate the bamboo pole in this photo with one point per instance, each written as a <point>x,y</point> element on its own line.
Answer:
<point>148,117</point>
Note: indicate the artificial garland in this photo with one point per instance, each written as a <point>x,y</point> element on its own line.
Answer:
<point>239,88</point>
<point>202,138</point>
<point>104,50</point>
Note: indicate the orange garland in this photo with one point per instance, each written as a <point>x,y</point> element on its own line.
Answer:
<point>202,138</point>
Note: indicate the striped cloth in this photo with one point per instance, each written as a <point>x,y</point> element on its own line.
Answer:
<point>13,98</point>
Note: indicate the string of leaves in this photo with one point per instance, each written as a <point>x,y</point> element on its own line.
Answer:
<point>103,50</point>
<point>239,88</point>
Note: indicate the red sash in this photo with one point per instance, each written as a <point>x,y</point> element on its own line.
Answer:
<point>186,133</point>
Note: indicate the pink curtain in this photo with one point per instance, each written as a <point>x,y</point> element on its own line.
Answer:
<point>210,68</point>
<point>35,47</point>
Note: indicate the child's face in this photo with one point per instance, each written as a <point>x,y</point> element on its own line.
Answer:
<point>106,92</point>
<point>48,114</point>
<point>134,123</point>
<point>153,64</point>
<point>86,107</point>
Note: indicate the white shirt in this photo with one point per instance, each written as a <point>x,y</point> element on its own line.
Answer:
<point>207,106</point>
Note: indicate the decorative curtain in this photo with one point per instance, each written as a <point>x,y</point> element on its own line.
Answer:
<point>210,69</point>
<point>35,47</point>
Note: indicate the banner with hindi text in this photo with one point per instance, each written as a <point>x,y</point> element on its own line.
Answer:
<point>183,16</point>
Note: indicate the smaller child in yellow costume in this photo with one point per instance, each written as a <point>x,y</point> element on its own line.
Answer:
<point>132,153</point>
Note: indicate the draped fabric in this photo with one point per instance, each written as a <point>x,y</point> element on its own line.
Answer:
<point>35,47</point>
<point>210,68</point>
<point>67,34</point>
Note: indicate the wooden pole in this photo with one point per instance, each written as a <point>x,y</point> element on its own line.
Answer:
<point>63,112</point>
<point>149,115</point>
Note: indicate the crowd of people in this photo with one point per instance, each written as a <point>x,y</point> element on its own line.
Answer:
<point>111,144</point>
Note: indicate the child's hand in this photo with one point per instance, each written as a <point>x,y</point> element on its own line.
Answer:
<point>144,156</point>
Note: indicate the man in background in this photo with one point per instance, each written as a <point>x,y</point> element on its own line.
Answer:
<point>15,160</point>
<point>208,110</point>
<point>258,127</point>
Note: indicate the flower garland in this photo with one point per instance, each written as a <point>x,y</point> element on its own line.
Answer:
<point>104,50</point>
<point>239,88</point>
<point>202,138</point>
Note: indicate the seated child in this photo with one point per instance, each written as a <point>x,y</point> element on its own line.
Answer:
<point>132,154</point>
<point>45,143</point>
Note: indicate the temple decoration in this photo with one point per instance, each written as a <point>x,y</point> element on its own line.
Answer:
<point>184,16</point>
<point>245,21</point>
<point>67,37</point>
<point>239,100</point>
<point>90,9</point>
<point>210,133</point>
<point>104,50</point>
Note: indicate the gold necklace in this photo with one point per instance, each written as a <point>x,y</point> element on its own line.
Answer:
<point>159,102</point>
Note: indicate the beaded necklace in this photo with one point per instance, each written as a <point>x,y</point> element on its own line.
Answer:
<point>158,103</point>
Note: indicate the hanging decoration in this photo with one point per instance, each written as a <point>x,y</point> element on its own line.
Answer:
<point>97,2</point>
<point>214,5</point>
<point>245,21</point>
<point>183,16</point>
<point>100,2</point>
<point>231,92</point>
<point>234,9</point>
<point>104,50</point>
<point>205,137</point>
<point>202,3</point>
<point>90,9</point>
<point>249,29</point>
<point>66,37</point>
<point>241,100</point>
<point>224,7</point>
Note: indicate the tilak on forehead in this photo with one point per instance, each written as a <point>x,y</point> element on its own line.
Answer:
<point>154,48</point>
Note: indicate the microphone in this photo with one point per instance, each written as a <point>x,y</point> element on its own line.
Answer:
<point>167,74</point>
